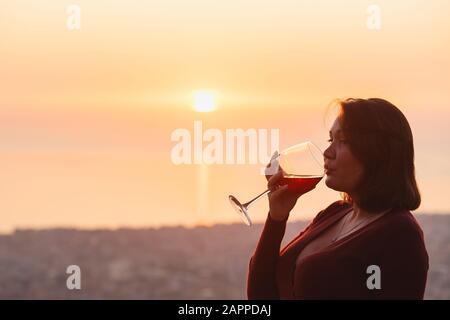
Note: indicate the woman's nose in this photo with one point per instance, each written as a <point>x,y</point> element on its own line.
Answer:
<point>329,153</point>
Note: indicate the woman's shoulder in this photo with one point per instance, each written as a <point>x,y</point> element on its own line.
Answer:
<point>402,236</point>
<point>332,209</point>
<point>402,222</point>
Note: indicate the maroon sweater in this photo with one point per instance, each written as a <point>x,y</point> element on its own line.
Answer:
<point>393,242</point>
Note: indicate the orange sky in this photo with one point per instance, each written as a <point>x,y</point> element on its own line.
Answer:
<point>86,115</point>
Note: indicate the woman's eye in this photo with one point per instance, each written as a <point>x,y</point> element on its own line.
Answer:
<point>342,140</point>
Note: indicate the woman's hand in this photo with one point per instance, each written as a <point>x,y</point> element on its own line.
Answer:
<point>281,199</point>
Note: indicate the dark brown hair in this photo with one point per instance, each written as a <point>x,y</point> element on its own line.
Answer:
<point>380,137</point>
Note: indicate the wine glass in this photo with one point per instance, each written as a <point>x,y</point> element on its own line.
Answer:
<point>302,166</point>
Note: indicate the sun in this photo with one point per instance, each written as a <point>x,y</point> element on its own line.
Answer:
<point>204,101</point>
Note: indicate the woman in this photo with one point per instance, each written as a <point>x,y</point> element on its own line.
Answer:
<point>366,246</point>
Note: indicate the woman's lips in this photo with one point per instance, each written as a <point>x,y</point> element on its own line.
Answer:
<point>328,170</point>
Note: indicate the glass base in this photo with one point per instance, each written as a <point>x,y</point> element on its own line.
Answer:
<point>240,209</point>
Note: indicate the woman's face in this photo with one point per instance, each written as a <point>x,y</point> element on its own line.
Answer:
<point>343,171</point>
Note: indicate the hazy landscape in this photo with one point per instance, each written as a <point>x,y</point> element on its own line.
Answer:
<point>165,263</point>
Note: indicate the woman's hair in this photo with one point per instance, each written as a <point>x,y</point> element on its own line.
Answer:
<point>380,137</point>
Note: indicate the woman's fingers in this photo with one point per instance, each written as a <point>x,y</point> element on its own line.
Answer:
<point>278,192</point>
<point>275,179</point>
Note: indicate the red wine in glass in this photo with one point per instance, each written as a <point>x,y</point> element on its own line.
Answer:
<point>300,183</point>
<point>302,166</point>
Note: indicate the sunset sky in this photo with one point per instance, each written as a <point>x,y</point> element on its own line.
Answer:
<point>86,116</point>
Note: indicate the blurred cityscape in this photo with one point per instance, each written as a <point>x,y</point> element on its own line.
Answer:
<point>165,263</point>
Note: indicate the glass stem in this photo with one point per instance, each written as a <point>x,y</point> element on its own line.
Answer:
<point>246,205</point>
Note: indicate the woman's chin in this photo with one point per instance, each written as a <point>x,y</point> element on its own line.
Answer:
<point>330,183</point>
